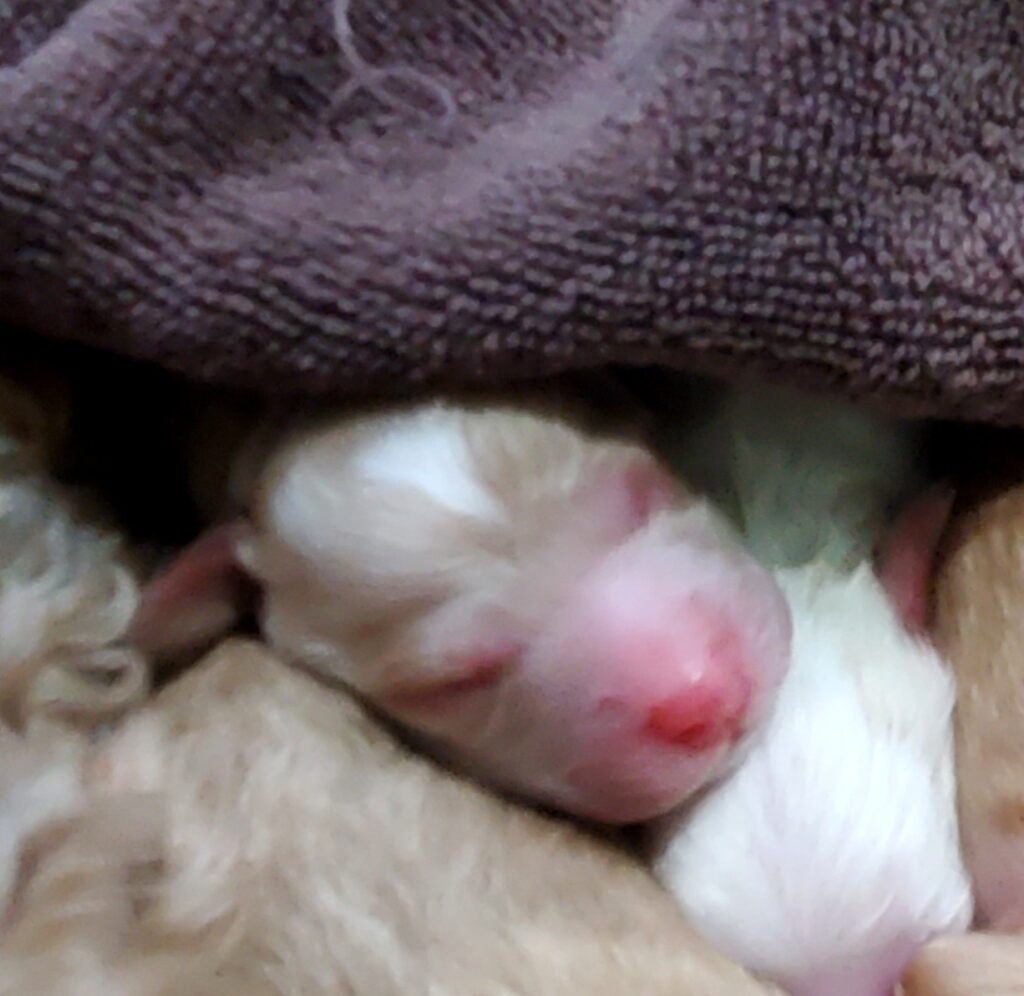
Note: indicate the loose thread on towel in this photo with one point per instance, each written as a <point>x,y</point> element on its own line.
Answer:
<point>374,79</point>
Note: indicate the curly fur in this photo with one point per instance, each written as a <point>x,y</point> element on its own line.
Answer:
<point>67,595</point>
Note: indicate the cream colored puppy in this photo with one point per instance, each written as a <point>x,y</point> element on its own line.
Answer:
<point>304,852</point>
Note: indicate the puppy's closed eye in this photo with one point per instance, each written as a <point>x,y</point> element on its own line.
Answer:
<point>479,668</point>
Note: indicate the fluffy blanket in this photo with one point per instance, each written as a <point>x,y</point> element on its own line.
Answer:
<point>382,195</point>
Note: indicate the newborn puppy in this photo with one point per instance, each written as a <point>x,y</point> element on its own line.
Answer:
<point>543,604</point>
<point>306,854</point>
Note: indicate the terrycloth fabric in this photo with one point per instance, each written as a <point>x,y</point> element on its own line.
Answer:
<point>295,196</point>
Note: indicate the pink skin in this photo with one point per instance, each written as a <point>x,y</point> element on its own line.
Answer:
<point>202,590</point>
<point>629,698</point>
<point>673,654</point>
<point>906,558</point>
<point>660,659</point>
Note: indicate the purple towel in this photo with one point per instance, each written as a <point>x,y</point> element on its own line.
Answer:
<point>305,195</point>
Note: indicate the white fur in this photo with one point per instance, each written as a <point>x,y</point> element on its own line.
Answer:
<point>429,453</point>
<point>833,852</point>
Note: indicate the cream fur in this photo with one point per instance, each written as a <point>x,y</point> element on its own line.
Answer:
<point>67,595</point>
<point>75,880</point>
<point>972,965</point>
<point>305,853</point>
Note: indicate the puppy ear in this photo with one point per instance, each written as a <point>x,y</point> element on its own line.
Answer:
<point>906,557</point>
<point>199,596</point>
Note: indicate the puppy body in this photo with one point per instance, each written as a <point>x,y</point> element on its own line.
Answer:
<point>979,625</point>
<point>305,853</point>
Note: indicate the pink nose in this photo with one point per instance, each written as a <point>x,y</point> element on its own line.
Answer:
<point>704,714</point>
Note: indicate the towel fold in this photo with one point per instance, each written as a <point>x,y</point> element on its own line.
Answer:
<point>385,195</point>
